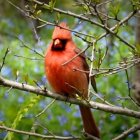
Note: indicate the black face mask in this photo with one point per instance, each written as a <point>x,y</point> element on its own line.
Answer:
<point>60,46</point>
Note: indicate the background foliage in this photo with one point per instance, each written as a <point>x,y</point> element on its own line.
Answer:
<point>18,109</point>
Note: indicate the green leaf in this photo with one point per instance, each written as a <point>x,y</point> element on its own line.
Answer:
<point>57,18</point>
<point>52,4</point>
<point>86,9</point>
<point>115,8</point>
<point>38,12</point>
<point>96,1</point>
<point>20,115</point>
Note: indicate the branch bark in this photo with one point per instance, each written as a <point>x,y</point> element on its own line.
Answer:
<point>47,93</point>
<point>127,132</point>
<point>108,30</point>
<point>37,135</point>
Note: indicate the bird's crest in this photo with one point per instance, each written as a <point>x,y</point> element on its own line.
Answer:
<point>62,32</point>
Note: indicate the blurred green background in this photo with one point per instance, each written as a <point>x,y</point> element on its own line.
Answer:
<point>18,108</point>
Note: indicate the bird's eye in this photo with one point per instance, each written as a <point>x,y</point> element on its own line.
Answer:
<point>64,41</point>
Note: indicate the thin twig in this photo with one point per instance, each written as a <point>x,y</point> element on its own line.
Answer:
<point>91,66</point>
<point>26,46</point>
<point>45,108</point>
<point>47,7</point>
<point>129,89</point>
<point>65,63</point>
<point>3,62</point>
<point>36,134</point>
<point>35,32</point>
<point>128,132</point>
<point>38,59</point>
<point>45,128</point>
<point>109,30</point>
<point>46,22</point>
<point>122,67</point>
<point>102,99</point>
<point>124,20</point>
<point>91,136</point>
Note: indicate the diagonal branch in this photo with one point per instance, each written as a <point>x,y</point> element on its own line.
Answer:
<point>3,62</point>
<point>47,7</point>
<point>108,30</point>
<point>47,93</point>
<point>128,132</point>
<point>124,20</point>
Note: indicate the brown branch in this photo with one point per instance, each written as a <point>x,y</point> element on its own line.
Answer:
<point>3,62</point>
<point>47,7</point>
<point>36,134</point>
<point>115,70</point>
<point>46,22</point>
<point>124,20</point>
<point>36,59</point>
<point>47,93</point>
<point>78,54</point>
<point>26,46</point>
<point>54,24</point>
<point>109,30</point>
<point>91,137</point>
<point>39,114</point>
<point>127,132</point>
<point>23,43</point>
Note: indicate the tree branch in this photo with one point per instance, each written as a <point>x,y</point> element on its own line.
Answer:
<point>130,15</point>
<point>3,62</point>
<point>127,132</point>
<point>47,7</point>
<point>37,135</point>
<point>109,30</point>
<point>47,93</point>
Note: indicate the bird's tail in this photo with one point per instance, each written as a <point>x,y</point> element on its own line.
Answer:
<point>88,121</point>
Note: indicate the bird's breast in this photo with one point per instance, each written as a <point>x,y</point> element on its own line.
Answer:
<point>65,78</point>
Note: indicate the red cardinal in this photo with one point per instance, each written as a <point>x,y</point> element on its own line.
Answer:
<point>69,79</point>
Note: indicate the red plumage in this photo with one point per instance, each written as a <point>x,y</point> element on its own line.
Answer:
<point>67,79</point>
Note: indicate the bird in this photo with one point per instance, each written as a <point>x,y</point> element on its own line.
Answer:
<point>66,71</point>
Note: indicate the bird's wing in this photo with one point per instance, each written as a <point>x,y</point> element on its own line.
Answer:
<point>86,68</point>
